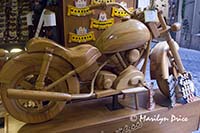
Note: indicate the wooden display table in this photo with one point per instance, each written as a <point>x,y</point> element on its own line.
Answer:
<point>93,117</point>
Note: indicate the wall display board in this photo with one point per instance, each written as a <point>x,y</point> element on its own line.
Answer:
<point>82,25</point>
<point>13,24</point>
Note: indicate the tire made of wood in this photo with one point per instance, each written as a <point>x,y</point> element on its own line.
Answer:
<point>163,83</point>
<point>33,111</point>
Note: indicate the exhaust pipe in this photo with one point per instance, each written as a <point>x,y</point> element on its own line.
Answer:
<point>38,95</point>
<point>53,96</point>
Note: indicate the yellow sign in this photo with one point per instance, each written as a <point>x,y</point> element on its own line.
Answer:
<point>118,12</point>
<point>81,38</point>
<point>101,24</point>
<point>74,11</point>
<point>94,2</point>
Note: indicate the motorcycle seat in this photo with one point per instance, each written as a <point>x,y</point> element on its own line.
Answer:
<point>80,56</point>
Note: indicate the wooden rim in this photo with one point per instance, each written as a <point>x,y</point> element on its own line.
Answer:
<point>32,106</point>
<point>25,114</point>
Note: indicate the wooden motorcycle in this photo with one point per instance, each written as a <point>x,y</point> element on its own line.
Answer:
<point>36,83</point>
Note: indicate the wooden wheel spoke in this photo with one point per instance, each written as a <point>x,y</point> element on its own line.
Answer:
<point>39,104</point>
<point>26,85</point>
<point>30,110</point>
<point>51,89</point>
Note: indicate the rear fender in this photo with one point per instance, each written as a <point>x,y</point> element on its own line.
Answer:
<point>159,60</point>
<point>24,60</point>
<point>40,44</point>
<point>81,57</point>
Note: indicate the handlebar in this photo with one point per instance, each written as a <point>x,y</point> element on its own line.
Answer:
<point>175,27</point>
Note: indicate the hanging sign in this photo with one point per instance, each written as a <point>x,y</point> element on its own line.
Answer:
<point>80,9</point>
<point>119,12</point>
<point>81,36</point>
<point>94,2</point>
<point>102,22</point>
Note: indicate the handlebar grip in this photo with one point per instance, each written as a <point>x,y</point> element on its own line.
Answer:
<point>176,27</point>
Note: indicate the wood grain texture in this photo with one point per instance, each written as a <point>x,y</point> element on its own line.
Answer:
<point>25,65</point>
<point>123,36</point>
<point>92,117</point>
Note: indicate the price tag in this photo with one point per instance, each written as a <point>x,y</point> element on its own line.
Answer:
<point>151,16</point>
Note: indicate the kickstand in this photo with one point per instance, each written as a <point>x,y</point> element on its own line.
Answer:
<point>115,104</point>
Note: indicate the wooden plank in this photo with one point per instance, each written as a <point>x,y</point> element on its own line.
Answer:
<point>92,116</point>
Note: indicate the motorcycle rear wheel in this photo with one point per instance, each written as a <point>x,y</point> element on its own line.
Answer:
<point>33,111</point>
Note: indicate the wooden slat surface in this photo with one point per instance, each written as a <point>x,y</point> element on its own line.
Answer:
<point>92,116</point>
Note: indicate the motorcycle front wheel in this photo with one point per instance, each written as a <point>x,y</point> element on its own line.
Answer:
<point>163,83</point>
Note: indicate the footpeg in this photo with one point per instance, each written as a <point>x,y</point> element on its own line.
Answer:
<point>134,90</point>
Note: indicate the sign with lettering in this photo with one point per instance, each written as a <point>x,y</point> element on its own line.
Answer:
<point>119,12</point>
<point>80,9</point>
<point>81,36</point>
<point>102,22</point>
<point>94,2</point>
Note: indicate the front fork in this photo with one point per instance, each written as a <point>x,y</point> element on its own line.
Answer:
<point>171,44</point>
<point>175,54</point>
<point>185,84</point>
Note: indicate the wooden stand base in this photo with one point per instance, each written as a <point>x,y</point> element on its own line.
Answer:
<point>93,117</point>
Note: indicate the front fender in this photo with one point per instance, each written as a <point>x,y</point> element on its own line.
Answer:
<point>159,64</point>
